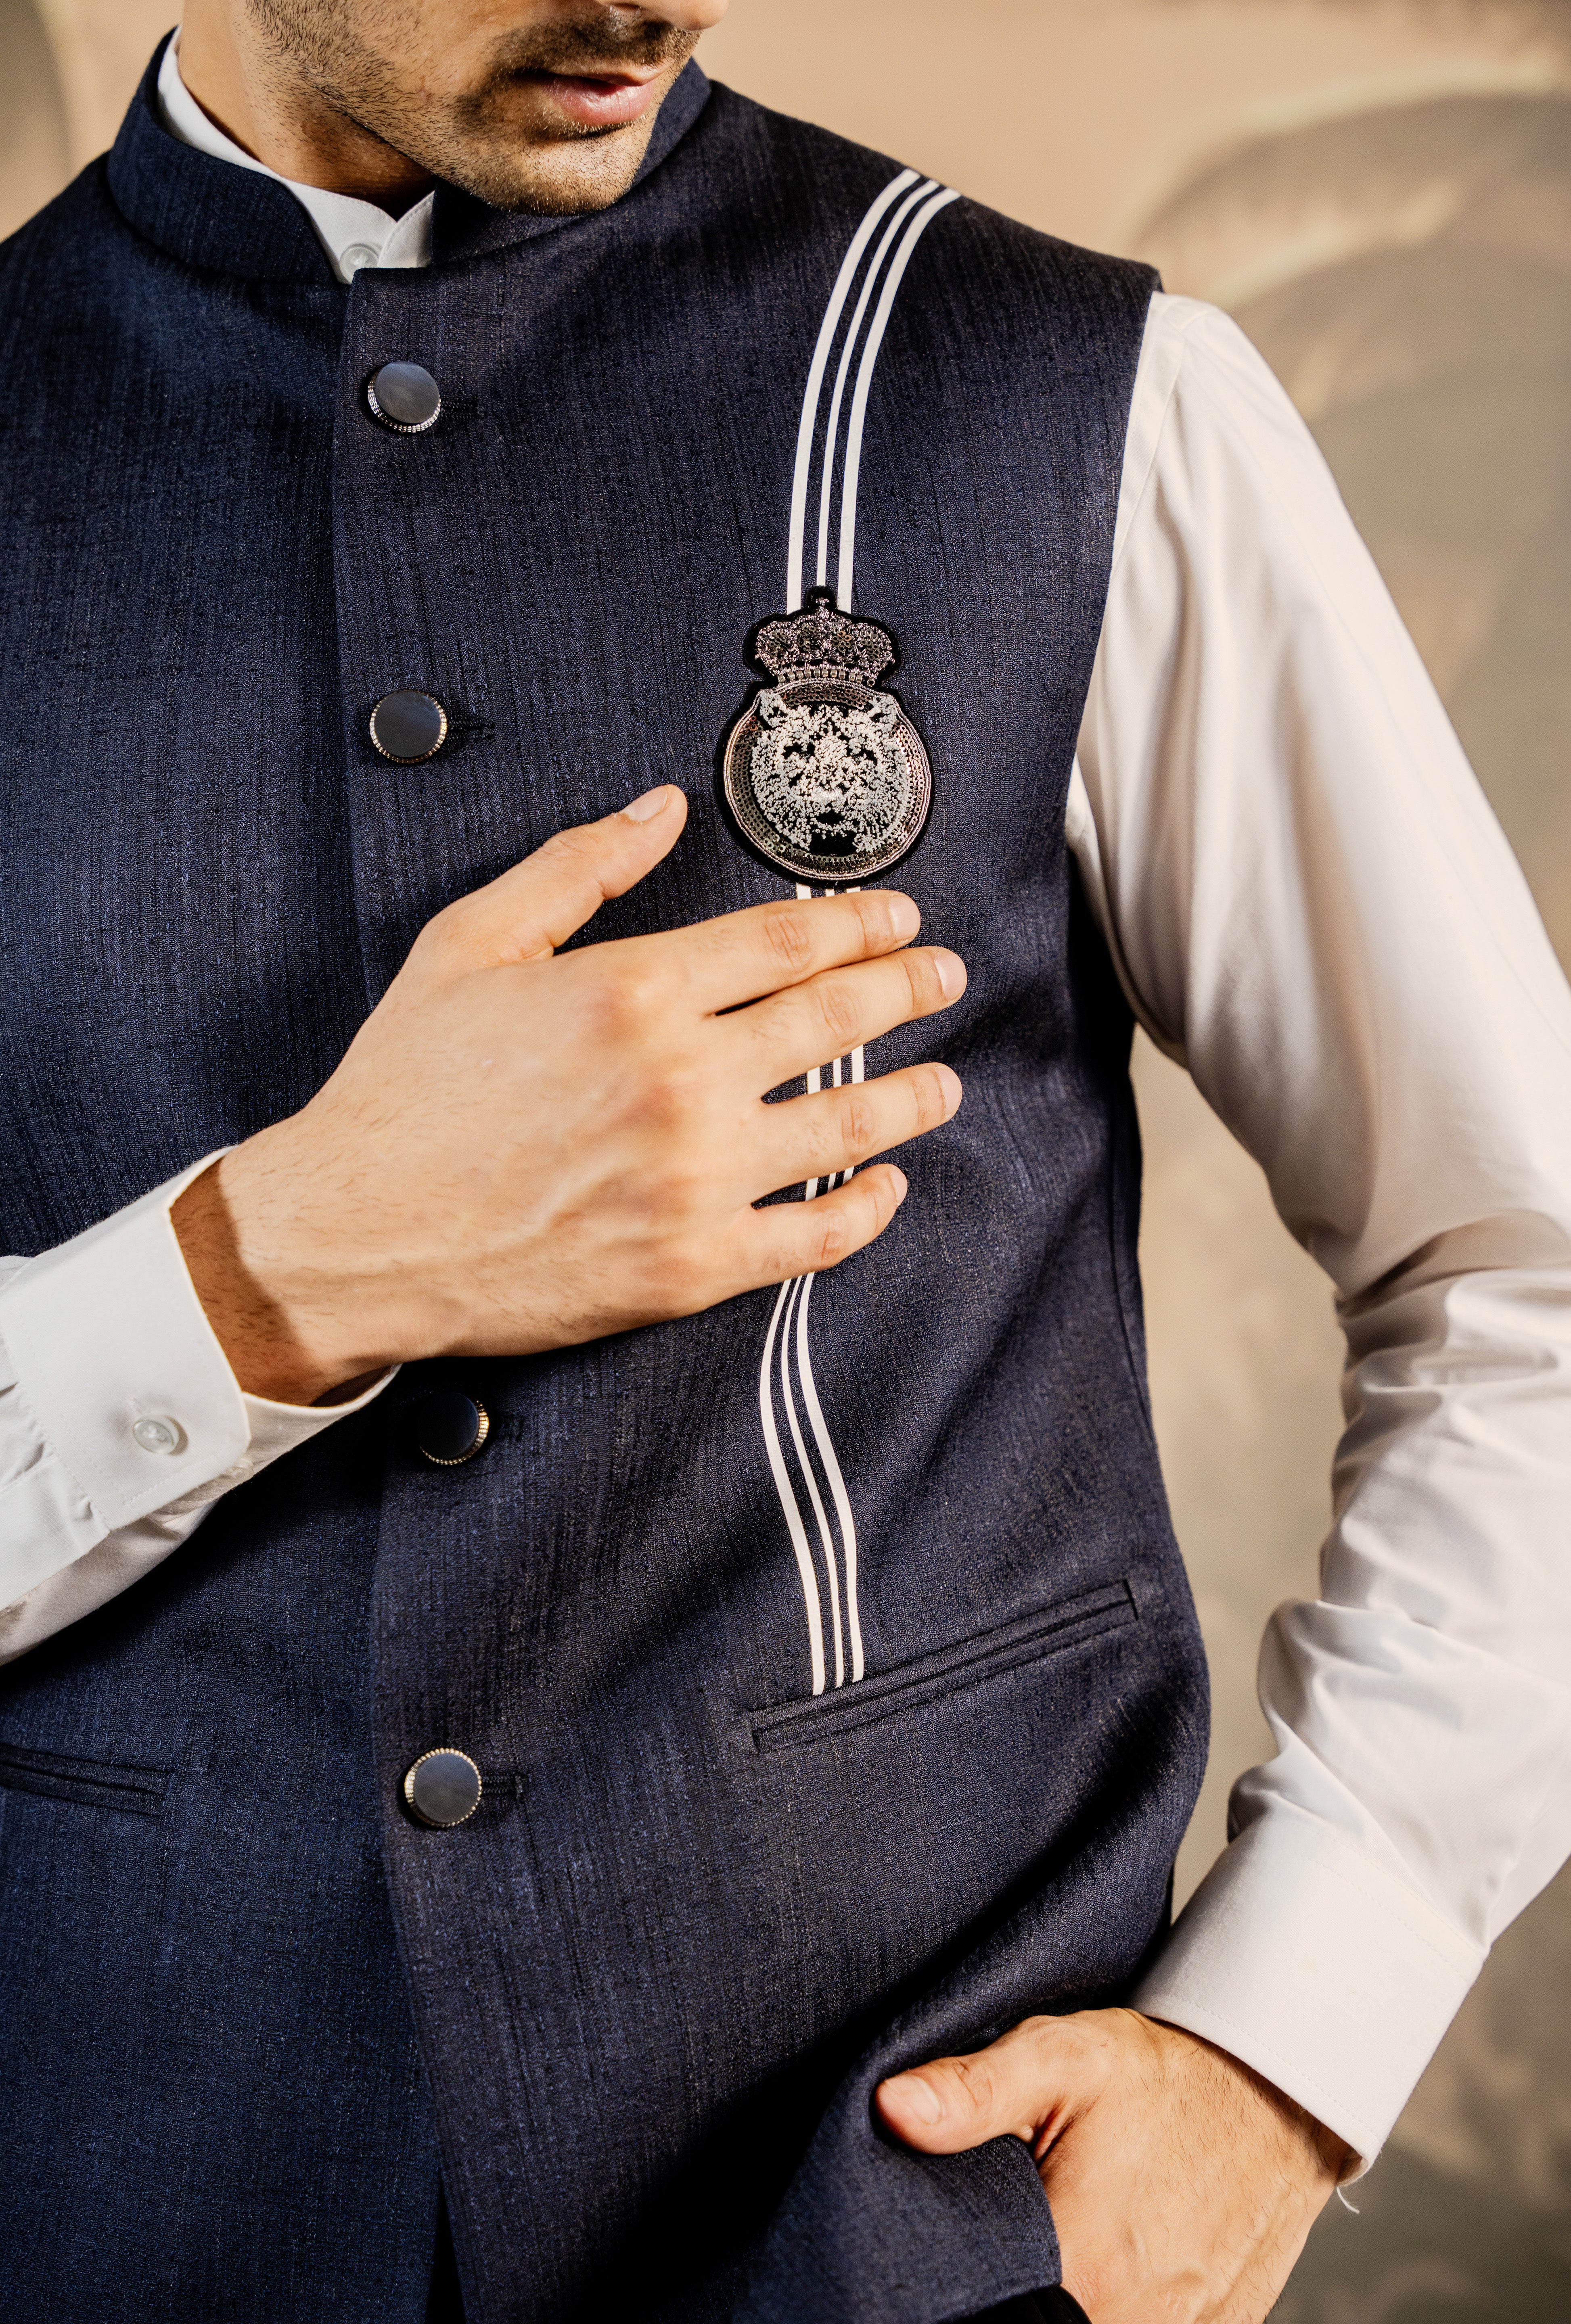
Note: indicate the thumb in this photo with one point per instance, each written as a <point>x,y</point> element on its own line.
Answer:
<point>1028,2085</point>
<point>538,904</point>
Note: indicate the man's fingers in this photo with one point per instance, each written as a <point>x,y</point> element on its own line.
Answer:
<point>807,1238</point>
<point>542,901</point>
<point>1034,2079</point>
<point>814,1137</point>
<point>743,955</point>
<point>844,1010</point>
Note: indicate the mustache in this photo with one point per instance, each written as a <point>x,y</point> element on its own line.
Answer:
<point>594,46</point>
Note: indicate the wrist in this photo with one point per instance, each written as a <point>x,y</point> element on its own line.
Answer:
<point>1323,2160</point>
<point>288,1326</point>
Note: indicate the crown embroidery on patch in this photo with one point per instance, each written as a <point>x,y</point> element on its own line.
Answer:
<point>820,641</point>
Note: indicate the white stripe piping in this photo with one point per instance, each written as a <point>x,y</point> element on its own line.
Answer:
<point>892,282</point>
<point>842,1499</point>
<point>809,419</point>
<point>854,332</point>
<point>794,1297</point>
<point>799,1291</point>
<point>787,1499</point>
<point>815,1078</point>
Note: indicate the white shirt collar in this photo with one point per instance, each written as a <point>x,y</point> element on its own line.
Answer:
<point>354,234</point>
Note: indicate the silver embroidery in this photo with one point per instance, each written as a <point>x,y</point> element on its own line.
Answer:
<point>830,777</point>
<point>825,775</point>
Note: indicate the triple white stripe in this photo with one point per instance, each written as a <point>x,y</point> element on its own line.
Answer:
<point>939,200</point>
<point>788,1325</point>
<point>787,1491</point>
<point>839,1556</point>
<point>794,1300</point>
<point>926,199</point>
<point>815,388</point>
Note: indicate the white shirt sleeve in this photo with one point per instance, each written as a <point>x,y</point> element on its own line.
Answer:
<point>1311,905</point>
<point>121,1423</point>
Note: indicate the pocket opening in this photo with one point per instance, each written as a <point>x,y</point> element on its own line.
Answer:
<point>84,1783</point>
<point>947,1671</point>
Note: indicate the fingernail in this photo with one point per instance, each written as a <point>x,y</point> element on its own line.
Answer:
<point>919,2097</point>
<point>954,1088</point>
<point>653,803</point>
<point>950,971</point>
<point>901,1183</point>
<point>904,918</point>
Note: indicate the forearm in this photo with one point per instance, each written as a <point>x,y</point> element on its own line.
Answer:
<point>1420,1707</point>
<point>289,1332</point>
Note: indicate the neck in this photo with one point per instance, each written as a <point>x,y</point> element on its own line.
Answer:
<point>258,96</point>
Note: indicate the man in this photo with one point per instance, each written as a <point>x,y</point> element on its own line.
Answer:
<point>689,1771</point>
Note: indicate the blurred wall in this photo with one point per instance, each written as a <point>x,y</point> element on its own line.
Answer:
<point>1380,191</point>
<point>35,147</point>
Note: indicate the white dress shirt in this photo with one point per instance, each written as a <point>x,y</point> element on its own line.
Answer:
<point>354,234</point>
<point>1311,905</point>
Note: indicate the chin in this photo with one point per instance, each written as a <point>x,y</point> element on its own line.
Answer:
<point>554,176</point>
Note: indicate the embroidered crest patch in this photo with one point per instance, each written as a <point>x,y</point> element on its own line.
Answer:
<point>824,773</point>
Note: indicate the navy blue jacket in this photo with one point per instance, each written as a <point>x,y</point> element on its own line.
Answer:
<point>251,2014</point>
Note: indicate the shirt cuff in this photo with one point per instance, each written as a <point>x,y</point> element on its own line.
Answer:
<point>124,1378</point>
<point>1314,1965</point>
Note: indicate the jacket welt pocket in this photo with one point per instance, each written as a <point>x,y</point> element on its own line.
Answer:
<point>1071,1623</point>
<point>89,1782</point>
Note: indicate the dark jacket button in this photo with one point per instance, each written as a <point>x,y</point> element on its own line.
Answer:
<point>408,726</point>
<point>442,1788</point>
<point>451,1429</point>
<point>405,398</point>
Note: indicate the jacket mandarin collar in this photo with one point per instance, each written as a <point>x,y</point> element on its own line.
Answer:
<point>209,214</point>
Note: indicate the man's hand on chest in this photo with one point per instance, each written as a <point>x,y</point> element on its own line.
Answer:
<point>524,1149</point>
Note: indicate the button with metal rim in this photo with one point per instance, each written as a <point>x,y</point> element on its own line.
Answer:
<point>408,726</point>
<point>442,1789</point>
<point>451,1429</point>
<point>403,396</point>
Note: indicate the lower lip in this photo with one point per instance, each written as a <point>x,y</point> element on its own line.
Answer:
<point>600,104</point>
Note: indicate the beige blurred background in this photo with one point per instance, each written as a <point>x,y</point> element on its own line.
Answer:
<point>1380,191</point>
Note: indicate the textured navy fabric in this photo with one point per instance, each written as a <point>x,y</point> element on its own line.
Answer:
<point>633,2010</point>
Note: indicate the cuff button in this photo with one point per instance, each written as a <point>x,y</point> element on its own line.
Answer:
<point>158,1433</point>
